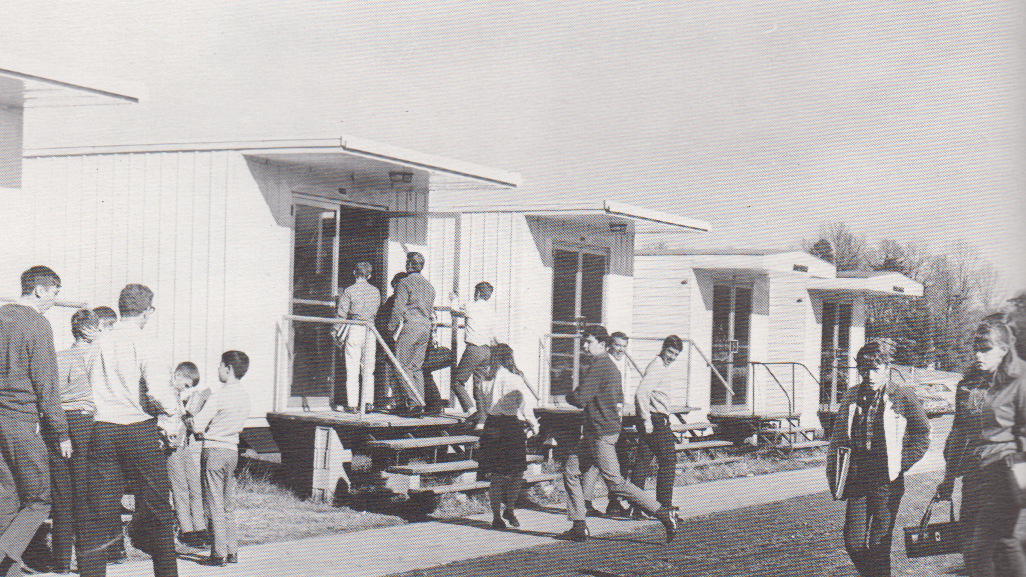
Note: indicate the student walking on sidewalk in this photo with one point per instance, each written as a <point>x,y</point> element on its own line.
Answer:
<point>887,432</point>
<point>601,396</point>
<point>653,402</point>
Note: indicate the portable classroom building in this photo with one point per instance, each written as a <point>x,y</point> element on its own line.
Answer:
<point>781,328</point>
<point>235,237</point>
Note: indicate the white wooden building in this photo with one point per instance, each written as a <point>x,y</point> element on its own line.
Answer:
<point>235,237</point>
<point>780,327</point>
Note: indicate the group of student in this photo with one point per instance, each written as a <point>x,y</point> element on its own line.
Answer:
<point>107,416</point>
<point>882,431</point>
<point>506,405</point>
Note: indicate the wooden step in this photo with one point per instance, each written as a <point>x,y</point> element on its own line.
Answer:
<point>397,445</point>
<point>696,445</point>
<point>709,462</point>
<point>478,485</point>
<point>445,467</point>
<point>801,445</point>
<point>786,430</point>
<point>687,427</point>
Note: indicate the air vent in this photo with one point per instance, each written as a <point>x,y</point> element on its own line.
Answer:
<point>800,268</point>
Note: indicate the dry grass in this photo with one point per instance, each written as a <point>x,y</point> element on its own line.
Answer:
<point>266,512</point>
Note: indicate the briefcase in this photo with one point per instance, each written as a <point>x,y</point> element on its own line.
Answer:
<point>929,539</point>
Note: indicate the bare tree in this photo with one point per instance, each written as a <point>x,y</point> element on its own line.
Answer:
<point>847,251</point>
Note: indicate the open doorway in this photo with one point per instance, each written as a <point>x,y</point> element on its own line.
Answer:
<point>329,238</point>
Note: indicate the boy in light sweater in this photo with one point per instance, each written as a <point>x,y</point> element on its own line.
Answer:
<point>220,421</point>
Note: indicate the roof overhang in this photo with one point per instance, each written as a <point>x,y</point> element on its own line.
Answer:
<point>347,149</point>
<point>29,84</point>
<point>892,284</point>
<point>609,211</point>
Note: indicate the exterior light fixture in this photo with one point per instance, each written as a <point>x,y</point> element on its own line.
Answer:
<point>396,176</point>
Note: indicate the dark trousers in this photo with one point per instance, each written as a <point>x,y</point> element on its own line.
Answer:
<point>869,525</point>
<point>24,483</point>
<point>133,453</point>
<point>410,348</point>
<point>68,483</point>
<point>993,547</point>
<point>661,444</point>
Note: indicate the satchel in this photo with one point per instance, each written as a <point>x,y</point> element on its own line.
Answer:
<point>1016,471</point>
<point>928,539</point>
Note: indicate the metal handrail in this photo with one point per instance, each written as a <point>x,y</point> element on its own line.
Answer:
<point>406,379</point>
<point>691,344</point>
<point>790,398</point>
<point>688,342</point>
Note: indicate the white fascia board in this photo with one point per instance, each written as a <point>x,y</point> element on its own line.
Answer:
<point>77,78</point>
<point>889,284</point>
<point>621,209</point>
<point>429,161</point>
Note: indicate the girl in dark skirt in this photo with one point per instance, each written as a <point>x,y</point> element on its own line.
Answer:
<point>509,402</point>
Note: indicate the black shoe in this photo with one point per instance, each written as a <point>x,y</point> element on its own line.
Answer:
<point>37,565</point>
<point>616,510</point>
<point>577,533</point>
<point>214,561</point>
<point>498,524</point>
<point>434,411</point>
<point>232,558</point>
<point>668,517</point>
<point>590,510</point>
<point>511,518</point>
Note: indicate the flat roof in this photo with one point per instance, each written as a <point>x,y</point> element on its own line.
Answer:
<point>25,83</point>
<point>326,153</point>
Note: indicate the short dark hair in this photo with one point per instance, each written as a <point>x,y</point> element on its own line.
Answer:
<point>673,342</point>
<point>484,289</point>
<point>399,276</point>
<point>994,330</point>
<point>42,276</point>
<point>363,269</point>
<point>189,370</point>
<point>416,260</point>
<point>135,299</point>
<point>237,361</point>
<point>619,335</point>
<point>81,320</point>
<point>597,331</point>
<point>875,354</point>
<point>106,315</point>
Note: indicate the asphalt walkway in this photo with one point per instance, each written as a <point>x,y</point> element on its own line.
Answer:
<point>404,548</point>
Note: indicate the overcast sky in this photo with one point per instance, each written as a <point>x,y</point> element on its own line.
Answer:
<point>906,120</point>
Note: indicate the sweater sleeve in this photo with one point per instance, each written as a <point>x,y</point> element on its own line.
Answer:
<point>43,367</point>
<point>210,408</point>
<point>917,431</point>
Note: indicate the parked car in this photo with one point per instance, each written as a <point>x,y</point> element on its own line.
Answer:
<point>937,398</point>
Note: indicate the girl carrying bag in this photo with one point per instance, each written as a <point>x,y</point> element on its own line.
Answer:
<point>929,539</point>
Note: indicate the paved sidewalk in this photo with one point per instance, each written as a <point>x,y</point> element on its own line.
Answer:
<point>399,549</point>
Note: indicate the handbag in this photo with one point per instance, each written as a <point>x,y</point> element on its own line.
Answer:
<point>1016,465</point>
<point>929,539</point>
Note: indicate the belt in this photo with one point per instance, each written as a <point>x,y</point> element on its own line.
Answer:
<point>79,411</point>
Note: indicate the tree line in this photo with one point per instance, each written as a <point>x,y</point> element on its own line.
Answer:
<point>960,287</point>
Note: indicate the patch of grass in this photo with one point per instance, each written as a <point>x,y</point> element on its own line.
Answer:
<point>266,512</point>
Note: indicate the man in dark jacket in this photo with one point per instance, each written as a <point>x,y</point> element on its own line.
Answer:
<point>601,396</point>
<point>886,430</point>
